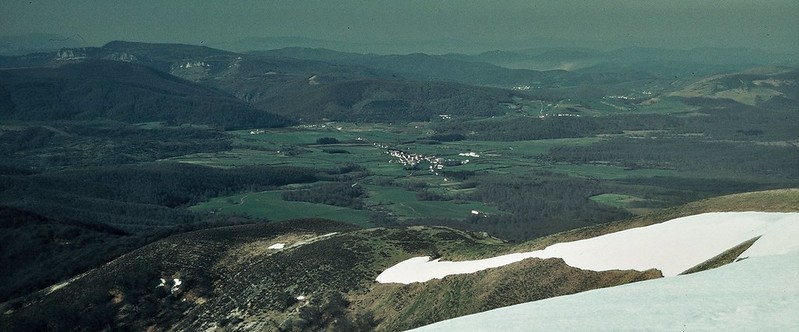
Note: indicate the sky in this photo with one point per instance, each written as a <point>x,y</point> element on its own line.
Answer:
<point>416,25</point>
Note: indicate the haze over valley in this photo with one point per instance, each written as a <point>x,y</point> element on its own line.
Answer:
<point>391,165</point>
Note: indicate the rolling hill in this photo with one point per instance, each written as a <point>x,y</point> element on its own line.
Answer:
<point>107,148</point>
<point>772,86</point>
<point>474,70</point>
<point>657,62</point>
<point>312,274</point>
<point>300,89</point>
<point>121,91</point>
<point>312,99</point>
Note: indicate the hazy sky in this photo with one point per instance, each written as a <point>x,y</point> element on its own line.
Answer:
<point>767,24</point>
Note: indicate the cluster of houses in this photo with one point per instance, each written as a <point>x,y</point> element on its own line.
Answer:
<point>191,64</point>
<point>479,213</point>
<point>619,97</point>
<point>412,160</point>
<point>559,115</point>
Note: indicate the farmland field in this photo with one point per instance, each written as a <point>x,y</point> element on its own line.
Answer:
<point>269,205</point>
<point>435,170</point>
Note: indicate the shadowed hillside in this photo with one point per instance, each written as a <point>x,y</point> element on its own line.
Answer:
<point>120,91</point>
<point>315,274</point>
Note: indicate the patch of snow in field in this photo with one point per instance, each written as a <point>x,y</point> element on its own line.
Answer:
<point>57,286</point>
<point>277,246</point>
<point>672,247</point>
<point>757,294</point>
<point>314,239</point>
<point>175,286</point>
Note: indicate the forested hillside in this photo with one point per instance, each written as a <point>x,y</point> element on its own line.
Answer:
<point>114,156</point>
<point>120,91</point>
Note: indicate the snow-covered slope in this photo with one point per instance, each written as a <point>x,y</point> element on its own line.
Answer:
<point>672,247</point>
<point>756,294</point>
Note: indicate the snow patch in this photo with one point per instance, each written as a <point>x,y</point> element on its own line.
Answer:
<point>192,64</point>
<point>175,285</point>
<point>757,294</point>
<point>65,54</point>
<point>277,246</point>
<point>176,282</point>
<point>671,247</point>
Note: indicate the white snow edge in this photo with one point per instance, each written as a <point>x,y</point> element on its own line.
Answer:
<point>757,294</point>
<point>671,247</point>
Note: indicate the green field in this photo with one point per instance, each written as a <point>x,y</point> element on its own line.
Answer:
<point>608,172</point>
<point>269,205</point>
<point>616,200</point>
<point>399,202</point>
<point>403,203</point>
<point>393,186</point>
<point>297,147</point>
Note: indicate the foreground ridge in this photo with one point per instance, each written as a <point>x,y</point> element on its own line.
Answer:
<point>672,247</point>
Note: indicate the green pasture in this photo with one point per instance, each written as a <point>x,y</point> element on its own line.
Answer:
<point>608,172</point>
<point>270,205</point>
<point>666,105</point>
<point>400,202</point>
<point>517,148</point>
<point>616,200</point>
<point>403,203</point>
<point>297,147</point>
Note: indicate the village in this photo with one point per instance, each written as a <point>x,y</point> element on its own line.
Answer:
<point>412,161</point>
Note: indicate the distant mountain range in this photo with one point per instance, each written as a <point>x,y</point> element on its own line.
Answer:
<point>700,61</point>
<point>121,91</point>
<point>39,42</point>
<point>305,84</point>
<point>108,151</point>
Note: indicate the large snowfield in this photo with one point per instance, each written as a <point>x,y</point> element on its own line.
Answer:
<point>672,247</point>
<point>755,294</point>
<point>760,292</point>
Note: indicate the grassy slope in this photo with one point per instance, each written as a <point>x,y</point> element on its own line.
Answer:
<point>408,306</point>
<point>270,205</point>
<point>231,278</point>
<point>781,200</point>
<point>405,311</point>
